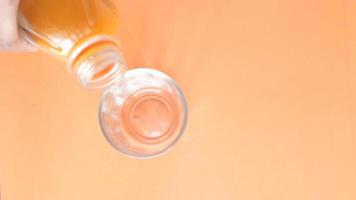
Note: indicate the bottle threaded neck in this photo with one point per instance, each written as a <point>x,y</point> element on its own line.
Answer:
<point>97,63</point>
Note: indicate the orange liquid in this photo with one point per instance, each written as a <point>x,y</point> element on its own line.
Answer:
<point>60,25</point>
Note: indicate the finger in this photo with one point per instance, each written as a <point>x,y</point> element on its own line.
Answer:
<point>8,21</point>
<point>18,45</point>
<point>10,38</point>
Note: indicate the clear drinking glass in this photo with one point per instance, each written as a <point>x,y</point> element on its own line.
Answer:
<point>145,115</point>
<point>143,111</point>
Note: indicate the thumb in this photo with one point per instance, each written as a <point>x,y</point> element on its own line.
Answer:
<point>10,38</point>
<point>8,21</point>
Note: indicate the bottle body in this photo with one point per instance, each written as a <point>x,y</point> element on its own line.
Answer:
<point>79,31</point>
<point>58,26</point>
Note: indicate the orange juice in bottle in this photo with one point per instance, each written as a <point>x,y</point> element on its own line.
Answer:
<point>77,30</point>
<point>143,112</point>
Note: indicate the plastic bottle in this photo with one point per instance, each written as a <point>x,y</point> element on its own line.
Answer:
<point>142,112</point>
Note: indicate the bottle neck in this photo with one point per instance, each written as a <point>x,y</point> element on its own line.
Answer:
<point>97,63</point>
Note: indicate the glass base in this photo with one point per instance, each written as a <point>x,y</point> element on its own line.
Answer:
<point>144,114</point>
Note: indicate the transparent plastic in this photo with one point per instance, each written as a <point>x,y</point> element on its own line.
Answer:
<point>143,112</point>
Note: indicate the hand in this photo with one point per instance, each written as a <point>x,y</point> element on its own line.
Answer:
<point>10,38</point>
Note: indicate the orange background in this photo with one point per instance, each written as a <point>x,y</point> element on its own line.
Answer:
<point>272,94</point>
